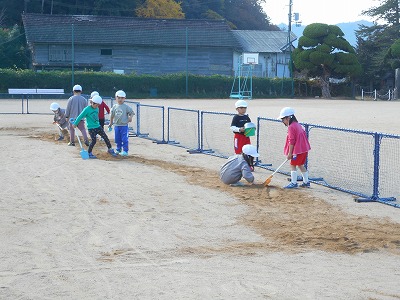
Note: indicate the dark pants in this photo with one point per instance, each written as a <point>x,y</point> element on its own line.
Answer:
<point>101,121</point>
<point>93,133</point>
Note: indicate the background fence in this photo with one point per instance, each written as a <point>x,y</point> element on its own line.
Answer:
<point>361,163</point>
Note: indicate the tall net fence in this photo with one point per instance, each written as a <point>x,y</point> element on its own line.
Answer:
<point>389,165</point>
<point>184,128</point>
<point>216,137</point>
<point>150,120</point>
<point>271,135</point>
<point>133,129</point>
<point>344,159</point>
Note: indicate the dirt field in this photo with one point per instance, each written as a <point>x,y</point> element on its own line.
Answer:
<point>159,224</point>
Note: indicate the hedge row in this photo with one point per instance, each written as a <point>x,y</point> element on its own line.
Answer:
<point>146,86</point>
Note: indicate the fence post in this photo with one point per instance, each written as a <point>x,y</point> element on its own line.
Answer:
<point>307,130</point>
<point>258,137</point>
<point>138,119</point>
<point>377,139</point>
<point>201,130</point>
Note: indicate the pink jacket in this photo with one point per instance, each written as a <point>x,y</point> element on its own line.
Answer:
<point>296,136</point>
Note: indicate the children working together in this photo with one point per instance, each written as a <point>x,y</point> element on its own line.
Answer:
<point>241,165</point>
<point>78,112</point>
<point>238,166</point>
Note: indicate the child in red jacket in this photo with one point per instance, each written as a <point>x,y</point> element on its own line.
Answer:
<point>296,147</point>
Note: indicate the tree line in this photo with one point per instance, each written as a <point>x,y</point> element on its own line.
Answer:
<point>322,51</point>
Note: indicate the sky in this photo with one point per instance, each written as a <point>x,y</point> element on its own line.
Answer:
<point>317,11</point>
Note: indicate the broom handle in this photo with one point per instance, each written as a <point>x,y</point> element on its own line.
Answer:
<point>277,169</point>
<point>77,136</point>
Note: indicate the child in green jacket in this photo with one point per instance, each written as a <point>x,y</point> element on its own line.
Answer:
<point>91,113</point>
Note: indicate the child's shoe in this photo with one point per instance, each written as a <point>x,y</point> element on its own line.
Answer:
<point>87,143</point>
<point>71,144</point>
<point>117,151</point>
<point>239,183</point>
<point>91,155</point>
<point>111,151</point>
<point>123,153</point>
<point>305,185</point>
<point>60,138</point>
<point>291,186</point>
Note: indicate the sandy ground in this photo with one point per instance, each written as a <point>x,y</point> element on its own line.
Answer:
<point>160,225</point>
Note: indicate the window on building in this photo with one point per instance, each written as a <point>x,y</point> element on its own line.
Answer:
<point>106,51</point>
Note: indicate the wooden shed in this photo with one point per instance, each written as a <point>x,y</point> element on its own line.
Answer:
<point>130,45</point>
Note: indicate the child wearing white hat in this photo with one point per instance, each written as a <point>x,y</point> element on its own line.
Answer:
<point>91,114</point>
<point>121,115</point>
<point>296,147</point>
<point>76,103</point>
<point>239,166</point>
<point>238,126</point>
<point>59,119</point>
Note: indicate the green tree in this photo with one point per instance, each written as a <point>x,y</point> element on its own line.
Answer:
<point>374,41</point>
<point>393,54</point>
<point>13,53</point>
<point>160,9</point>
<point>323,53</point>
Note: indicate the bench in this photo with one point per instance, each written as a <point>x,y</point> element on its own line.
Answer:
<point>36,91</point>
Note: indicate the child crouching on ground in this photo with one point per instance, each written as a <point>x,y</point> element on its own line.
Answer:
<point>239,166</point>
<point>91,113</point>
<point>60,120</point>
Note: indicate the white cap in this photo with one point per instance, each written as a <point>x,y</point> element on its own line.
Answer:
<point>286,112</point>
<point>54,106</point>
<point>240,103</point>
<point>77,87</point>
<point>250,150</point>
<point>120,93</point>
<point>97,99</point>
<point>94,93</point>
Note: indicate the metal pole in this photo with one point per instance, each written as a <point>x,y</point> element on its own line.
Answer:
<point>290,47</point>
<point>187,64</point>
<point>72,55</point>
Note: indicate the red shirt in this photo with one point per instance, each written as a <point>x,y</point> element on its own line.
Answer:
<point>103,106</point>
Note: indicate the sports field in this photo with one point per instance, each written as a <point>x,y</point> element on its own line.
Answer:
<point>159,224</point>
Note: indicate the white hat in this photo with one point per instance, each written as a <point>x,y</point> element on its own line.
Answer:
<point>97,99</point>
<point>250,150</point>
<point>286,112</point>
<point>77,87</point>
<point>54,106</point>
<point>240,103</point>
<point>120,93</point>
<point>94,93</point>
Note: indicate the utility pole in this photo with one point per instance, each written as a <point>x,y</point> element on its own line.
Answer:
<point>290,47</point>
<point>72,53</point>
